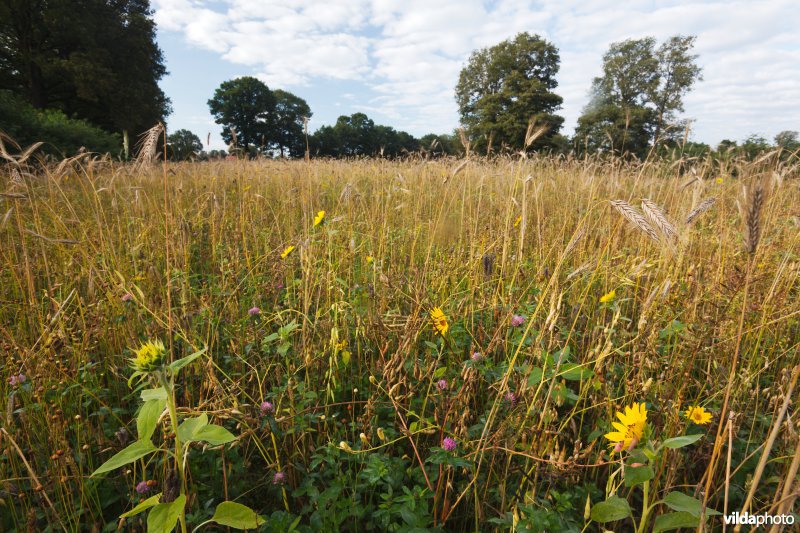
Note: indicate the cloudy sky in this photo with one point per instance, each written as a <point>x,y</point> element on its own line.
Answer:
<point>398,60</point>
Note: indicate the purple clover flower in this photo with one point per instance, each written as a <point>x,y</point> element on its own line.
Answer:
<point>477,356</point>
<point>143,487</point>
<point>267,408</point>
<point>442,384</point>
<point>254,311</point>
<point>17,380</point>
<point>279,478</point>
<point>449,444</point>
<point>517,320</point>
<point>127,297</point>
<point>511,398</point>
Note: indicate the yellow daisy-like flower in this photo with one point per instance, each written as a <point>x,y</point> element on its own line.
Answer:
<point>698,415</point>
<point>289,249</point>
<point>439,320</point>
<point>608,297</point>
<point>517,221</point>
<point>720,180</point>
<point>149,357</point>
<point>319,218</point>
<point>630,427</point>
<point>369,259</point>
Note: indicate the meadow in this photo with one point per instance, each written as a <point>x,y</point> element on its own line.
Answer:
<point>398,345</point>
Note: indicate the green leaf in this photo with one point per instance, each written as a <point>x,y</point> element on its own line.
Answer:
<point>680,442</point>
<point>535,377</point>
<point>439,372</point>
<point>143,506</point>
<point>175,366</point>
<point>669,521</point>
<point>135,451</point>
<point>236,515</point>
<point>614,508</point>
<point>154,394</point>
<point>678,501</point>
<point>638,475</point>
<point>163,517</point>
<point>148,417</point>
<point>190,426</point>
<point>573,372</point>
<point>214,435</point>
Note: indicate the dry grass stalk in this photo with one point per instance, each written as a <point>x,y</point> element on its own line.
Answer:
<point>629,212</point>
<point>148,144</point>
<point>659,219</point>
<point>700,209</point>
<point>755,199</point>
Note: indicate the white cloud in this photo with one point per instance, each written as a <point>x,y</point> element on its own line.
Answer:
<point>409,53</point>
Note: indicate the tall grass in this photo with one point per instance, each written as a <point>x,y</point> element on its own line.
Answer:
<point>706,312</point>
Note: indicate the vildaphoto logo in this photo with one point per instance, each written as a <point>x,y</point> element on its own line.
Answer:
<point>747,519</point>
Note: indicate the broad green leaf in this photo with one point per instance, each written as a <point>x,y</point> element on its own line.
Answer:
<point>190,426</point>
<point>154,394</point>
<point>162,517</point>
<point>669,521</point>
<point>439,372</point>
<point>175,366</point>
<point>135,451</point>
<point>214,435</point>
<point>152,501</point>
<point>638,475</point>
<point>680,442</point>
<point>236,515</point>
<point>614,508</point>
<point>535,377</point>
<point>148,418</point>
<point>573,372</point>
<point>678,501</point>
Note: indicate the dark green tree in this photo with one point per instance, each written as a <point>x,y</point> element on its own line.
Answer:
<point>183,144</point>
<point>290,113</point>
<point>358,135</point>
<point>92,59</point>
<point>788,140</point>
<point>247,107</point>
<point>503,87</point>
<point>634,103</point>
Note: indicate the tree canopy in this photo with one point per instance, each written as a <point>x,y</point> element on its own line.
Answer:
<point>503,87</point>
<point>358,135</point>
<point>183,144</point>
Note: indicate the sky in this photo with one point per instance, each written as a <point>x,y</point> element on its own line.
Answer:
<point>398,60</point>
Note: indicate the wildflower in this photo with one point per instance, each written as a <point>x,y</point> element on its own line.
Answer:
<point>320,218</point>
<point>608,297</point>
<point>449,444</point>
<point>517,221</point>
<point>289,249</point>
<point>254,311</point>
<point>477,356</point>
<point>441,384</point>
<point>720,180</point>
<point>17,380</point>
<point>149,357</point>
<point>267,408</point>
<point>381,434</point>
<point>279,478</point>
<point>630,427</point>
<point>517,320</point>
<point>698,415</point>
<point>439,321</point>
<point>511,398</point>
<point>143,487</point>
<point>369,259</point>
<point>127,297</point>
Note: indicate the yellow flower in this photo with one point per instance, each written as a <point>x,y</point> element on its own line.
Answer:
<point>629,428</point>
<point>369,259</point>
<point>720,180</point>
<point>517,221</point>
<point>289,249</point>
<point>698,415</point>
<point>439,320</point>
<point>319,218</point>
<point>149,357</point>
<point>609,297</point>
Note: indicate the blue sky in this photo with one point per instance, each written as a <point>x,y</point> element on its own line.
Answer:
<point>398,60</point>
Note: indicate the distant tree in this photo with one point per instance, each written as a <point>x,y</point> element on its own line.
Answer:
<point>358,135</point>
<point>290,112</point>
<point>184,144</point>
<point>634,102</point>
<point>503,87</point>
<point>788,140</point>
<point>754,146</point>
<point>727,145</point>
<point>92,59</point>
<point>247,107</point>
<point>438,145</point>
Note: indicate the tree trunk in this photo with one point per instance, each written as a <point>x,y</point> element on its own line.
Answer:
<point>125,143</point>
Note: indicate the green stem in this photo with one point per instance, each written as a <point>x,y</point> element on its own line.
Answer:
<point>645,507</point>
<point>169,386</point>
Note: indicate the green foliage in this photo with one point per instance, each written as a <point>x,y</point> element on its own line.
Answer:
<point>611,510</point>
<point>504,87</point>
<point>245,106</point>
<point>62,136</point>
<point>358,135</point>
<point>183,144</point>
<point>291,115</point>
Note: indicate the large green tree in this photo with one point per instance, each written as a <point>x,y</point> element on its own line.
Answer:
<point>358,135</point>
<point>635,102</point>
<point>93,59</point>
<point>247,107</point>
<point>291,112</point>
<point>503,87</point>
<point>183,144</point>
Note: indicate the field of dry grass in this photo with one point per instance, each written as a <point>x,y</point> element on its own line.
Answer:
<point>561,308</point>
